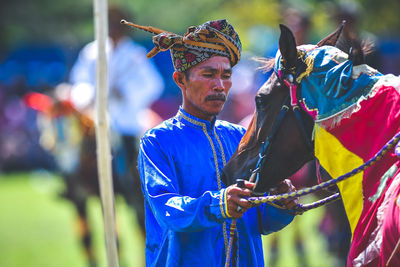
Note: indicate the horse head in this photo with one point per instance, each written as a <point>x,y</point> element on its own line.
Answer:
<point>275,126</point>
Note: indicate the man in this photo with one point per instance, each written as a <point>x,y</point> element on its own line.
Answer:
<point>134,84</point>
<point>188,209</point>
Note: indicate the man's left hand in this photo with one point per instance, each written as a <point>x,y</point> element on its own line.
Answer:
<point>286,186</point>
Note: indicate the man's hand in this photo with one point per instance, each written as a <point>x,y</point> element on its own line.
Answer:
<point>235,198</point>
<point>286,186</point>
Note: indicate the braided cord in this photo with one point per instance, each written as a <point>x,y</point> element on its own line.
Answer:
<point>301,208</point>
<point>309,190</point>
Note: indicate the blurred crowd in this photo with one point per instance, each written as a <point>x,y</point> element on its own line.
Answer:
<point>32,68</point>
<point>54,72</point>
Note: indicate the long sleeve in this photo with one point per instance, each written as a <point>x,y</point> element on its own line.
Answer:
<point>135,76</point>
<point>161,188</point>
<point>82,77</point>
<point>135,83</point>
<point>180,163</point>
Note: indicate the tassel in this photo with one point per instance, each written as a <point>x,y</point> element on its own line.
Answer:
<point>144,28</point>
<point>310,65</point>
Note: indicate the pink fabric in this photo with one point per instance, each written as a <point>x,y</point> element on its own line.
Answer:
<point>364,134</point>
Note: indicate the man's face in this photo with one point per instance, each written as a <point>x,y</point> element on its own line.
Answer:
<point>206,88</point>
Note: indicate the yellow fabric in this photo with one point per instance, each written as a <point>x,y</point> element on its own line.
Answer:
<point>337,160</point>
<point>310,66</point>
<point>226,206</point>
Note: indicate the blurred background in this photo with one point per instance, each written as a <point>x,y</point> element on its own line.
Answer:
<point>50,215</point>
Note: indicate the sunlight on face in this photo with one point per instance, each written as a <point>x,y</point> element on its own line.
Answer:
<point>206,89</point>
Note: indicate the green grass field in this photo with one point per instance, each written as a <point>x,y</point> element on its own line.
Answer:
<point>37,228</point>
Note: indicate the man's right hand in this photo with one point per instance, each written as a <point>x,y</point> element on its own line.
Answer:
<point>235,198</point>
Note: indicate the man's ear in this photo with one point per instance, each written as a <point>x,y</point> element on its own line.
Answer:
<point>180,79</point>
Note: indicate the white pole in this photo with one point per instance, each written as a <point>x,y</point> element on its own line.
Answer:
<point>102,133</point>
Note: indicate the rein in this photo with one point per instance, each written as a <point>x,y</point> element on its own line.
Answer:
<point>301,208</point>
<point>264,150</point>
<point>255,176</point>
<point>290,82</point>
<point>294,105</point>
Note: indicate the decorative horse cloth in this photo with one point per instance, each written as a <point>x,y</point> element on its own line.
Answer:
<point>342,84</point>
<point>357,111</point>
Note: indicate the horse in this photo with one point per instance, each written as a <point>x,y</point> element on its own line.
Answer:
<point>70,137</point>
<point>322,102</point>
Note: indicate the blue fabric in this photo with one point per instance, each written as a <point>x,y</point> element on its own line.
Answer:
<point>185,211</point>
<point>329,89</point>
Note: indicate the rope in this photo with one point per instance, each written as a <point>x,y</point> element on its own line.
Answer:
<point>240,183</point>
<point>230,244</point>
<point>309,190</point>
<point>301,208</point>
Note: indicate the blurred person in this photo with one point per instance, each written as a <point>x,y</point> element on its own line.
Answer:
<point>299,22</point>
<point>19,149</point>
<point>134,84</point>
<point>188,209</point>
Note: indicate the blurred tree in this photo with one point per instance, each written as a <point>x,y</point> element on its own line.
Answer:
<point>44,21</point>
<point>71,22</point>
<point>381,17</point>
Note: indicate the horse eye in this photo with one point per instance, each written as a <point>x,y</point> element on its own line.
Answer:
<point>259,102</point>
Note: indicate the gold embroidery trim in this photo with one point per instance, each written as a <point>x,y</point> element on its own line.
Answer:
<point>215,162</point>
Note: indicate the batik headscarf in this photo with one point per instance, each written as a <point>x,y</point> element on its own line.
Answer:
<point>216,37</point>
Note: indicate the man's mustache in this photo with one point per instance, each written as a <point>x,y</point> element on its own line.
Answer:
<point>219,96</point>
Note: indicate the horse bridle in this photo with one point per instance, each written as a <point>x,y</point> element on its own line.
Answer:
<point>301,208</point>
<point>265,146</point>
<point>290,102</point>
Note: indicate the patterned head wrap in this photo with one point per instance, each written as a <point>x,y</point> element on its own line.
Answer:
<point>216,37</point>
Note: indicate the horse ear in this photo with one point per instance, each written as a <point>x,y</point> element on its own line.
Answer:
<point>332,38</point>
<point>287,46</point>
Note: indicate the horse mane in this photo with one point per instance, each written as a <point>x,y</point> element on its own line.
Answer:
<point>266,64</point>
<point>367,46</point>
<point>356,48</point>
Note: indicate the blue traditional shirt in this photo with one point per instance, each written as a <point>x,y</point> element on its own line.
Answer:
<point>180,163</point>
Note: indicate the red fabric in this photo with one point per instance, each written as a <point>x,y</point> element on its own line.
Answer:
<point>46,104</point>
<point>38,102</point>
<point>364,134</point>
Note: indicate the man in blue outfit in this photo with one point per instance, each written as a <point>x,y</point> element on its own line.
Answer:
<point>188,209</point>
